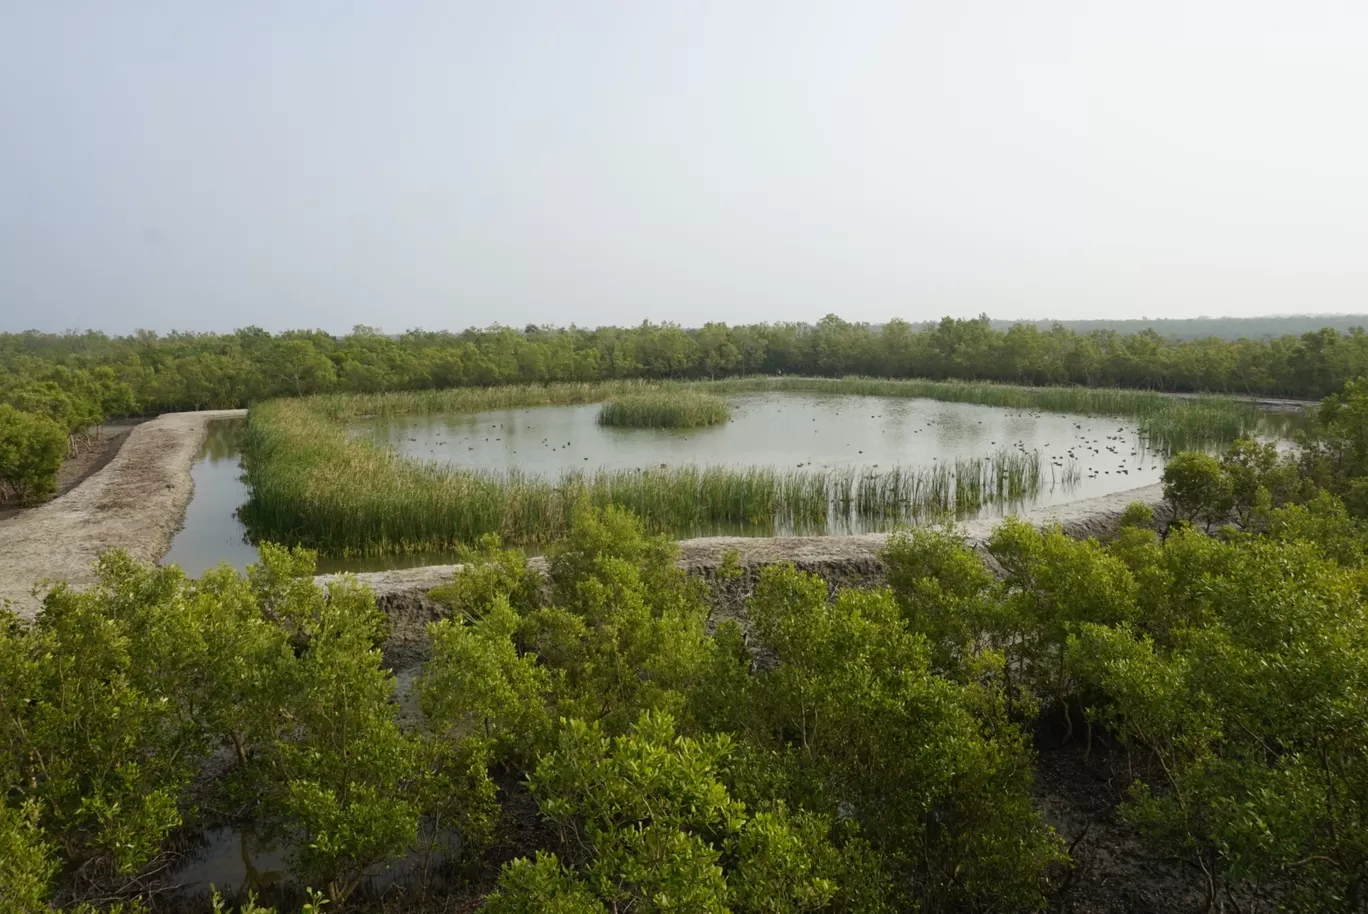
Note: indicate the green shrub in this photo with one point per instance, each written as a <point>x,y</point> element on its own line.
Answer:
<point>663,833</point>
<point>851,717</point>
<point>1252,708</point>
<point>946,594</point>
<point>27,862</point>
<point>858,751</point>
<point>114,699</point>
<point>1198,489</point>
<point>31,451</point>
<point>1138,516</point>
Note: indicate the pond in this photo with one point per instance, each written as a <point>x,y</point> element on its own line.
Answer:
<point>1081,456</point>
<point>785,430</point>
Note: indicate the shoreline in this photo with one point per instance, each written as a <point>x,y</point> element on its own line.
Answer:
<point>402,593</point>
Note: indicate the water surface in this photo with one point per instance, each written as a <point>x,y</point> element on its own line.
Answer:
<point>211,532</point>
<point>238,861</point>
<point>785,430</point>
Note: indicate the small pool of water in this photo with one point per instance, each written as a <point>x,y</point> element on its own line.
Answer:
<point>784,430</point>
<point>212,534</point>
<point>238,862</point>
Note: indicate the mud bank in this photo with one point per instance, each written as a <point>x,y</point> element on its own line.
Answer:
<point>135,502</point>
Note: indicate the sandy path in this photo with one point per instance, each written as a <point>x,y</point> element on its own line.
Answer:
<point>136,502</point>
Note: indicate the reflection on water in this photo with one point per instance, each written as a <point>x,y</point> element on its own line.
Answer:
<point>211,533</point>
<point>234,861</point>
<point>238,861</point>
<point>786,431</point>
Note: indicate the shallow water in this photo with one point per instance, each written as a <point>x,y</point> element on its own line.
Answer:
<point>237,861</point>
<point>211,532</point>
<point>784,430</point>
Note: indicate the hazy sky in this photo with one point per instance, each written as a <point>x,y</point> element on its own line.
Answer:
<point>323,163</point>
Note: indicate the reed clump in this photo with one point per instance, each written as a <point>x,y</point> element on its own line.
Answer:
<point>684,409</point>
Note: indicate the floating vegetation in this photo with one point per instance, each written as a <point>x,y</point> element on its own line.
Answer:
<point>658,409</point>
<point>313,485</point>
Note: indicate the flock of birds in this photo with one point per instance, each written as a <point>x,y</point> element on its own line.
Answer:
<point>545,442</point>
<point>1099,449</point>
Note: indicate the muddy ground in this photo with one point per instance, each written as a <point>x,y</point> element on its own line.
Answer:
<point>136,501</point>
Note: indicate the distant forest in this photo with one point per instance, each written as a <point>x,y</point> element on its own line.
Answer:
<point>1225,328</point>
<point>76,377</point>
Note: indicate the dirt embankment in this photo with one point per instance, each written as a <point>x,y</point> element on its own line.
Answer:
<point>135,502</point>
<point>842,560</point>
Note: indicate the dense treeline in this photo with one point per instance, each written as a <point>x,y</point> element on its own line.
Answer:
<point>867,750</point>
<point>77,380</point>
<point>193,371</point>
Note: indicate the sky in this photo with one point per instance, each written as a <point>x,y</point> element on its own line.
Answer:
<point>167,164</point>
